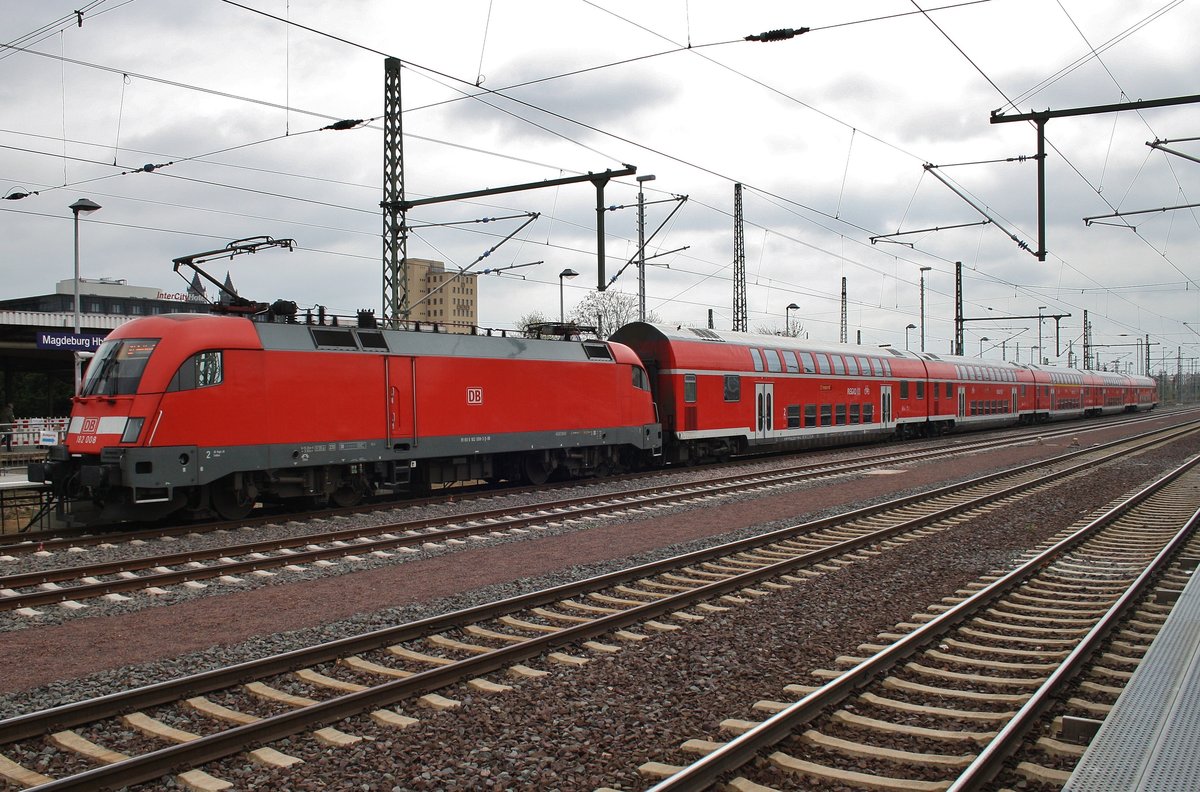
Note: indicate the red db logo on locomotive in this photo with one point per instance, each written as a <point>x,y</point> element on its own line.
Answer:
<point>474,395</point>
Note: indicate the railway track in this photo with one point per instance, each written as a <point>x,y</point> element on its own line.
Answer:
<point>273,698</point>
<point>228,564</point>
<point>62,539</point>
<point>944,702</point>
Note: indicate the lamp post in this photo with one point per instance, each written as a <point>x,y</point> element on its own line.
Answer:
<point>567,273</point>
<point>985,338</point>
<point>1041,351</point>
<point>911,326</point>
<point>923,271</point>
<point>642,247</point>
<point>82,206</point>
<point>787,319</point>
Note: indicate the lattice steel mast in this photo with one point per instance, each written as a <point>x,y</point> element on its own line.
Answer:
<point>395,228</point>
<point>739,263</point>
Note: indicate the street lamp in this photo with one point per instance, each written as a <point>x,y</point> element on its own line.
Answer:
<point>1041,351</point>
<point>567,273</point>
<point>923,271</point>
<point>82,206</point>
<point>911,326</point>
<point>985,338</point>
<point>787,319</point>
<point>642,247</point>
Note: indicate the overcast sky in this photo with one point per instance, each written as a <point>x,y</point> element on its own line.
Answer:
<point>829,132</point>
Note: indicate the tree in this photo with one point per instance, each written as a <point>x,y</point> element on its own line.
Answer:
<point>607,311</point>
<point>793,330</point>
<point>534,317</point>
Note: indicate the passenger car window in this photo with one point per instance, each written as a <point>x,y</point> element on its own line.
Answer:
<point>758,362</point>
<point>689,387</point>
<point>789,361</point>
<point>733,388</point>
<point>809,366</point>
<point>772,360</point>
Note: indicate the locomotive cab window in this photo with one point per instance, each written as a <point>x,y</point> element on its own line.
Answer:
<point>689,388</point>
<point>118,366</point>
<point>201,370</point>
<point>639,378</point>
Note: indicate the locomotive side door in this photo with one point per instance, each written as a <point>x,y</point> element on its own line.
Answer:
<point>764,398</point>
<point>401,402</point>
<point>885,406</point>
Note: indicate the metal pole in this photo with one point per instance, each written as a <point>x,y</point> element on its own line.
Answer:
<point>641,221</point>
<point>923,271</point>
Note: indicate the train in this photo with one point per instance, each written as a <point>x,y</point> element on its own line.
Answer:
<point>194,415</point>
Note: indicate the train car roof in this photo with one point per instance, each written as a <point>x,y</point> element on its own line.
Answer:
<point>208,331</point>
<point>645,331</point>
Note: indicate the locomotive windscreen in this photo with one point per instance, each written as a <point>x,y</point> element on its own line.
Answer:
<point>117,368</point>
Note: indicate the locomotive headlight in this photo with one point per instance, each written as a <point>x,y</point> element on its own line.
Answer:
<point>133,428</point>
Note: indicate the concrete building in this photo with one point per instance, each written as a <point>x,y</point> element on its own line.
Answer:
<point>449,299</point>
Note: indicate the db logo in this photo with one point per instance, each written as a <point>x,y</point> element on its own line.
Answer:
<point>474,395</point>
<point>90,426</point>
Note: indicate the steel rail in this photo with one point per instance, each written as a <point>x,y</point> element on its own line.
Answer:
<point>516,517</point>
<point>53,540</point>
<point>736,753</point>
<point>197,752</point>
<point>72,714</point>
<point>503,519</point>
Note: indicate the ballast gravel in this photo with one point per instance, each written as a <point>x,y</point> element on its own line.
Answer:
<point>588,727</point>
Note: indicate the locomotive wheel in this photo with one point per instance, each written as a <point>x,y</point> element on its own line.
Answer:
<point>349,494</point>
<point>229,500</point>
<point>535,469</point>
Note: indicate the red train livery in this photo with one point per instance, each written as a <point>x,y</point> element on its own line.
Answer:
<point>211,414</point>
<point>721,393</point>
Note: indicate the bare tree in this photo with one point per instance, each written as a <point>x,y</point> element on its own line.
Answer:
<point>528,320</point>
<point>794,330</point>
<point>607,311</point>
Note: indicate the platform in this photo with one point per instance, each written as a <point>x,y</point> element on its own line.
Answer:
<point>1151,739</point>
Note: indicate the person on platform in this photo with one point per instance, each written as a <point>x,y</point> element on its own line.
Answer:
<point>7,417</point>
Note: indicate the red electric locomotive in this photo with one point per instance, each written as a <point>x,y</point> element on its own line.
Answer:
<point>213,413</point>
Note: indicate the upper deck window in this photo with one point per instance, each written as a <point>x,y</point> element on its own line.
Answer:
<point>758,361</point>
<point>118,366</point>
<point>789,360</point>
<point>772,360</point>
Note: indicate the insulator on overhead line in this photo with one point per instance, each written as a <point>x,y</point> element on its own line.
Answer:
<point>778,35</point>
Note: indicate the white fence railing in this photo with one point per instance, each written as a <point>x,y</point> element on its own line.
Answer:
<point>33,432</point>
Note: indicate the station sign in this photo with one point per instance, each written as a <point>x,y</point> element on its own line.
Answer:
<point>77,343</point>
